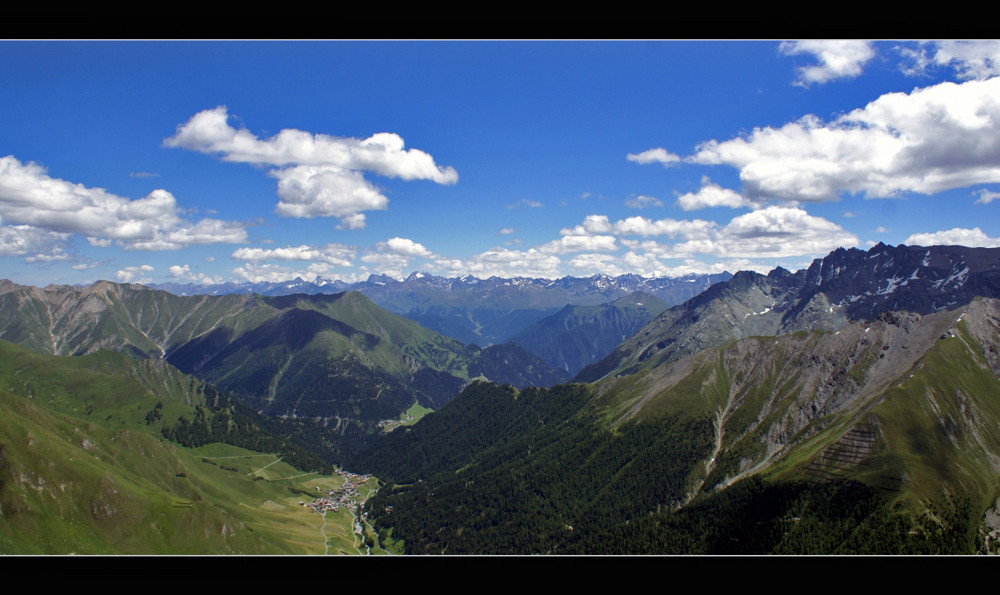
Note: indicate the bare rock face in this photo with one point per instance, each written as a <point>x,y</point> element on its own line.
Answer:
<point>831,399</point>
<point>845,286</point>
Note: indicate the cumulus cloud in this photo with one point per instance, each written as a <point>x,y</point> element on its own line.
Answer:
<point>838,58</point>
<point>501,262</point>
<point>592,264</point>
<point>392,256</point>
<point>330,254</point>
<point>579,243</point>
<point>971,59</point>
<point>711,195</point>
<point>656,155</point>
<point>256,272</point>
<point>310,191</point>
<point>184,273</point>
<point>318,175</point>
<point>780,231</point>
<point>642,226</point>
<point>933,139</point>
<point>954,237</point>
<point>28,195</point>
<point>750,241</point>
<point>34,244</point>
<point>135,274</point>
<point>405,247</point>
<point>773,231</point>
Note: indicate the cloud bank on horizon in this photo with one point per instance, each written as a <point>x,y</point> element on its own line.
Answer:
<point>778,193</point>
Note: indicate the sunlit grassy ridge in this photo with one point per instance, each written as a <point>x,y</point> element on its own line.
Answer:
<point>84,470</point>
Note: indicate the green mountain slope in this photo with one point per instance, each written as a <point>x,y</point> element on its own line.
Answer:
<point>84,468</point>
<point>881,437</point>
<point>338,361</point>
<point>580,335</point>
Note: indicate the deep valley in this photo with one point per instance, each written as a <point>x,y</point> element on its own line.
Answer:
<point>852,407</point>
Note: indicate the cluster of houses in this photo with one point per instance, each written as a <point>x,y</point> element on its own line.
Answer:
<point>388,425</point>
<point>346,495</point>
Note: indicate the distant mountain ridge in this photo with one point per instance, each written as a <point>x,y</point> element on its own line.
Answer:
<point>480,311</point>
<point>606,286</point>
<point>336,359</point>
<point>844,286</point>
<point>579,335</point>
<point>850,407</point>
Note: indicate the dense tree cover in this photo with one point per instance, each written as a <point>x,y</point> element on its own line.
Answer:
<point>516,474</point>
<point>498,471</point>
<point>482,416</point>
<point>224,419</point>
<point>755,516</point>
<point>511,363</point>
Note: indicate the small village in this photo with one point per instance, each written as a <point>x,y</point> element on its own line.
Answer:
<point>346,495</point>
<point>388,425</point>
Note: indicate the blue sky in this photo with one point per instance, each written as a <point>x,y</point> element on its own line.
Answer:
<point>264,161</point>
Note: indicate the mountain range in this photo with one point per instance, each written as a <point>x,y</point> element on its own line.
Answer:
<point>846,285</point>
<point>478,311</point>
<point>335,359</point>
<point>850,407</point>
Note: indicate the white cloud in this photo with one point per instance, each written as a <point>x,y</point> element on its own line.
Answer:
<point>331,254</point>
<point>838,58</point>
<point>29,196</point>
<point>591,264</point>
<point>954,237</point>
<point>319,175</point>
<point>507,231</point>
<point>206,231</point>
<point>501,262</point>
<point>135,274</point>
<point>392,256</point>
<point>599,224</point>
<point>34,244</point>
<point>771,232</point>
<point>209,132</point>
<point>310,191</point>
<point>657,155</point>
<point>781,231</point>
<point>579,243</point>
<point>972,59</point>
<point>933,139</point>
<point>534,204</point>
<point>183,273</point>
<point>711,195</point>
<point>986,197</point>
<point>642,201</point>
<point>406,247</point>
<point>764,234</point>
<point>275,273</point>
<point>692,266</point>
